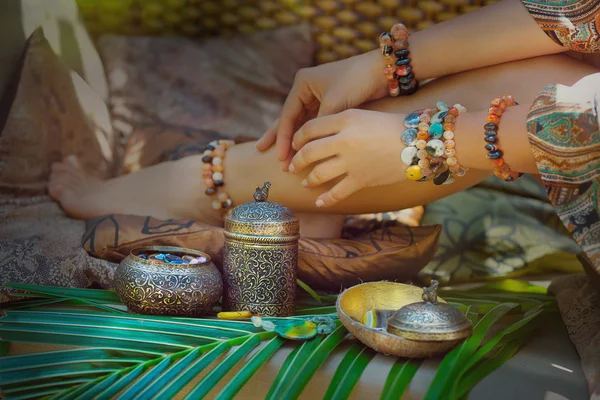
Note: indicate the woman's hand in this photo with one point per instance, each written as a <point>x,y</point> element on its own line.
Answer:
<point>324,90</point>
<point>361,146</point>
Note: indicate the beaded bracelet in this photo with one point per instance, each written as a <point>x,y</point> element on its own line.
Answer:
<point>401,79</point>
<point>213,173</point>
<point>501,168</point>
<point>430,149</point>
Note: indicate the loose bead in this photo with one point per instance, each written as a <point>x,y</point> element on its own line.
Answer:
<point>217,168</point>
<point>448,126</point>
<point>206,174</point>
<point>490,147</point>
<point>491,139</point>
<point>217,161</point>
<point>222,196</point>
<point>498,161</point>
<point>216,205</point>
<point>461,109</point>
<point>393,84</point>
<point>409,88</point>
<point>502,106</point>
<point>218,153</point>
<point>422,135</point>
<point>422,154</point>
<point>406,79</point>
<point>389,70</point>
<point>210,191</point>
<point>207,167</point>
<point>387,50</point>
<point>403,61</point>
<point>388,60</point>
<point>421,144</point>
<point>449,118</point>
<point>441,178</point>
<point>493,118</point>
<point>426,172</point>
<point>442,106</point>
<point>495,154</point>
<point>217,176</point>
<point>423,127</point>
<point>439,116</point>
<point>495,111</point>
<point>404,70</point>
<point>448,135</point>
<point>449,144</point>
<point>490,132</point>
<point>449,152</point>
<point>219,183</point>
<point>453,111</point>
<point>424,118</point>
<point>399,32</point>
<point>451,160</point>
<point>414,173</point>
<point>437,165</point>
<point>455,168</point>
<point>394,91</point>
<point>209,183</point>
<point>491,126</point>
<point>496,102</point>
<point>209,147</point>
<point>400,45</point>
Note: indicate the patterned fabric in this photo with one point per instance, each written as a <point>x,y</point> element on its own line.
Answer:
<point>498,230</point>
<point>574,24</point>
<point>40,244</point>
<point>340,28</point>
<point>565,138</point>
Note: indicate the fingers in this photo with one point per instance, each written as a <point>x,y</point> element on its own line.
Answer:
<point>268,139</point>
<point>299,96</point>
<point>316,129</point>
<point>325,172</point>
<point>339,192</point>
<point>313,152</point>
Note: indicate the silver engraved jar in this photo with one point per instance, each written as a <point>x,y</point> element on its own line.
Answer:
<point>260,258</point>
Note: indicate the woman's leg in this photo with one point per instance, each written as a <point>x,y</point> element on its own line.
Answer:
<point>175,189</point>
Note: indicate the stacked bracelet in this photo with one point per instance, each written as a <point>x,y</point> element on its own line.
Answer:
<point>398,69</point>
<point>213,173</point>
<point>430,152</point>
<point>501,168</point>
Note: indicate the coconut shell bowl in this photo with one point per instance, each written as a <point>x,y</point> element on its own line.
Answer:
<point>163,280</point>
<point>402,320</point>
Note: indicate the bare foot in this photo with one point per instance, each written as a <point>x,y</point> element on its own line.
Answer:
<point>170,190</point>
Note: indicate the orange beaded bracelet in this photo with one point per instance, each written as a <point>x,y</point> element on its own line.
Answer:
<point>501,168</point>
<point>398,69</point>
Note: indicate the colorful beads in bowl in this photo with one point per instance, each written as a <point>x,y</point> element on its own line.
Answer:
<point>168,258</point>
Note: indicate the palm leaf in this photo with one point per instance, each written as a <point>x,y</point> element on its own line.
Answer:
<point>349,371</point>
<point>399,378</point>
<point>136,356</point>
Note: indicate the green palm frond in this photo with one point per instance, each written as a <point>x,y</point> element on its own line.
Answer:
<point>117,354</point>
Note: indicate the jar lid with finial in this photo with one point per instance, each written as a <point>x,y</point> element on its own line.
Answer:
<point>429,320</point>
<point>262,217</point>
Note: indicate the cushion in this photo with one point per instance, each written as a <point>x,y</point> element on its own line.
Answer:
<point>389,251</point>
<point>234,85</point>
<point>65,31</point>
<point>498,230</point>
<point>47,121</point>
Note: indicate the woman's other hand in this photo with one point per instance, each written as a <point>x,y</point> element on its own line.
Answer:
<point>361,147</point>
<point>324,90</point>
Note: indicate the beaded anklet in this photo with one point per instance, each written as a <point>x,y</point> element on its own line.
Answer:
<point>401,79</point>
<point>501,168</point>
<point>213,173</point>
<point>430,149</point>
